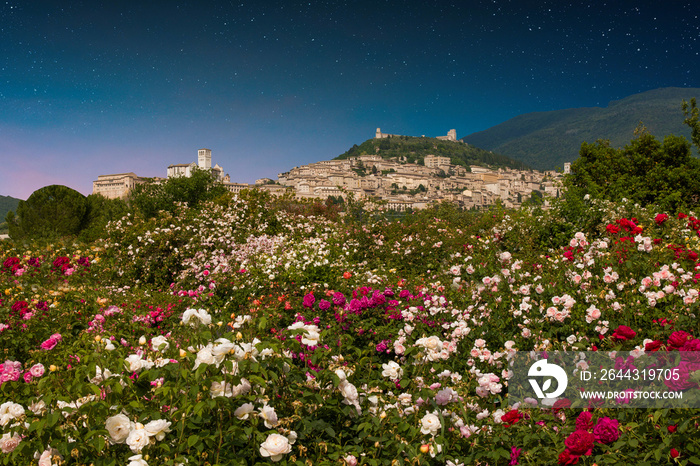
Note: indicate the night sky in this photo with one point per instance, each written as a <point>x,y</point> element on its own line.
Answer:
<point>91,88</point>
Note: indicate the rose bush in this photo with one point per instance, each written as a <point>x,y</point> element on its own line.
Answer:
<point>245,331</point>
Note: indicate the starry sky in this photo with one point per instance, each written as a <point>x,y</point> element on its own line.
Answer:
<point>96,87</point>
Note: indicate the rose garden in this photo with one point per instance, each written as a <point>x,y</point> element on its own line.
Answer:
<point>251,331</point>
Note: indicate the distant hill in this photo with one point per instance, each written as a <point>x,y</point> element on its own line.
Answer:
<point>7,204</point>
<point>416,148</point>
<point>545,140</point>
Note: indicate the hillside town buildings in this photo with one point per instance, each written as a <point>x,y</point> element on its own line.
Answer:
<point>399,184</point>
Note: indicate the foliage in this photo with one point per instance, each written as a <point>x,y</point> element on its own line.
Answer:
<point>153,196</point>
<point>692,119</point>
<point>101,211</point>
<point>7,204</point>
<point>50,212</point>
<point>645,171</point>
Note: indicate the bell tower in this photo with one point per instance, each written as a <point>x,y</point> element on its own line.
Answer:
<point>204,159</point>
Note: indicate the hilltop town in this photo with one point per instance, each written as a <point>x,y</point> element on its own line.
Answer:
<point>400,183</point>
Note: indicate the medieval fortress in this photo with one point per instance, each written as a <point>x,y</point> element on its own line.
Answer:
<point>400,184</point>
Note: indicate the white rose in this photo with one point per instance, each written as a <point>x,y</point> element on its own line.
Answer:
<point>311,338</point>
<point>349,391</point>
<point>267,413</point>
<point>188,315</point>
<point>14,410</point>
<point>118,427</point>
<point>135,363</point>
<point>220,389</point>
<point>392,370</point>
<point>430,424</point>
<point>157,428</point>
<point>137,460</point>
<point>137,439</point>
<point>204,317</point>
<point>204,356</point>
<point>244,411</point>
<point>275,447</point>
<point>160,343</point>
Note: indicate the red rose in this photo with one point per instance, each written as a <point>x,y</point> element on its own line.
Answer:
<point>612,229</point>
<point>674,453</point>
<point>672,428</point>
<point>623,332</point>
<point>511,417</point>
<point>661,218</point>
<point>566,457</point>
<point>678,339</point>
<point>561,403</point>
<point>580,442</point>
<point>652,346</point>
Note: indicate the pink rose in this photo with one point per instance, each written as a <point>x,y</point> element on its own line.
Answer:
<point>37,370</point>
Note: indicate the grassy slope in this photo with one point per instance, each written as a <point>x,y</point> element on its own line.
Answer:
<point>416,148</point>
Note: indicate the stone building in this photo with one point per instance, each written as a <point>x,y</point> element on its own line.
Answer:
<point>116,186</point>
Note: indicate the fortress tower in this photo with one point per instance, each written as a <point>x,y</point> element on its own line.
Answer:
<point>204,159</point>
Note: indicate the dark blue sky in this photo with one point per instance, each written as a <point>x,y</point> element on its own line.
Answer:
<point>90,88</point>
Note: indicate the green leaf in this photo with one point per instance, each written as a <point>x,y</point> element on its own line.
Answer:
<point>633,442</point>
<point>694,460</point>
<point>192,440</point>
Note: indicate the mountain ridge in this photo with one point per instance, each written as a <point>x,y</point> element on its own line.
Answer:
<point>546,140</point>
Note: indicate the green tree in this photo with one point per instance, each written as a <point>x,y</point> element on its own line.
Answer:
<point>101,211</point>
<point>645,171</point>
<point>692,119</point>
<point>50,212</point>
<point>151,197</point>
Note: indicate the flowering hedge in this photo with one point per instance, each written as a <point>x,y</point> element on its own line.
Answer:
<point>241,333</point>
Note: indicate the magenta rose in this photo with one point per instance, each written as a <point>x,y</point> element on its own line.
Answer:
<point>580,442</point>
<point>605,431</point>
<point>684,369</point>
<point>309,300</point>
<point>623,332</point>
<point>691,351</point>
<point>583,422</point>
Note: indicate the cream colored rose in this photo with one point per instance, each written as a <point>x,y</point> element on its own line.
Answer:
<point>160,343</point>
<point>137,460</point>
<point>244,411</point>
<point>267,413</point>
<point>204,356</point>
<point>118,427</point>
<point>157,428</point>
<point>275,447</point>
<point>392,370</point>
<point>8,444</point>
<point>137,439</point>
<point>430,424</point>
